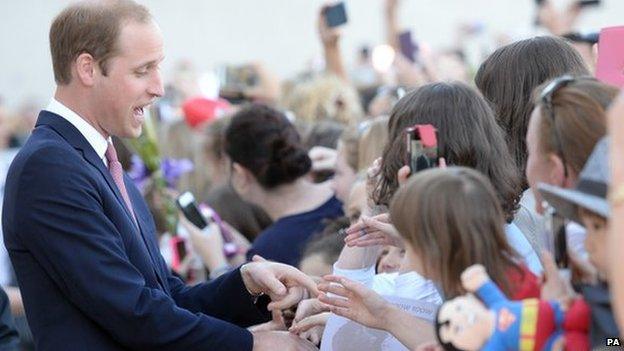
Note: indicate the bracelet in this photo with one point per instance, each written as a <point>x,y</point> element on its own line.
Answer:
<point>616,195</point>
<point>255,296</point>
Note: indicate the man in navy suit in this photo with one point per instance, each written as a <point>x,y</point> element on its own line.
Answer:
<point>80,236</point>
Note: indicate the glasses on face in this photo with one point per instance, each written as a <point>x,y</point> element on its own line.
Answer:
<point>546,97</point>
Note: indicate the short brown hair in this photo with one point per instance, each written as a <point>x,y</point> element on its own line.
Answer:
<point>435,213</point>
<point>90,27</point>
<point>579,120</point>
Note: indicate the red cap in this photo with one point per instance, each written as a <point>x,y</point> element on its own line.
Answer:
<point>200,110</point>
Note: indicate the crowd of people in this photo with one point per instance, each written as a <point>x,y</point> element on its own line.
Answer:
<point>318,230</point>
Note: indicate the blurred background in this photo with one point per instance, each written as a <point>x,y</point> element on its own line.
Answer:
<point>281,34</point>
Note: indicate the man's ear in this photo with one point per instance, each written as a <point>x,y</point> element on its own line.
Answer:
<point>84,69</point>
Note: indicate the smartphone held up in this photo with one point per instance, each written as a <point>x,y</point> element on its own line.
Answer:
<point>188,206</point>
<point>422,147</point>
<point>335,15</point>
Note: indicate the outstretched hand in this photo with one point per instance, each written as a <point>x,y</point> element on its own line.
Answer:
<point>371,231</point>
<point>356,302</point>
<point>284,284</point>
<point>317,320</point>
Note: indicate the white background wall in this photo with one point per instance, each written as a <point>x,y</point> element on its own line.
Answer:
<point>280,33</point>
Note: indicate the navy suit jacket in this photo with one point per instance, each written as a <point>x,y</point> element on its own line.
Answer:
<point>90,279</point>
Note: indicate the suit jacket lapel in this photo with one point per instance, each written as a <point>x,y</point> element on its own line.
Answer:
<point>78,141</point>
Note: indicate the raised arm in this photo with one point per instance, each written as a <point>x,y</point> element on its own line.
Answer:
<point>330,41</point>
<point>391,22</point>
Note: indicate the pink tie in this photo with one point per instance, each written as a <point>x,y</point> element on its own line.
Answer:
<point>114,166</point>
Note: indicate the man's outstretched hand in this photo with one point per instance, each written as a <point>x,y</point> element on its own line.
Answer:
<point>284,284</point>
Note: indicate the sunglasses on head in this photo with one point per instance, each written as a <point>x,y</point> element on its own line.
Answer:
<point>546,97</point>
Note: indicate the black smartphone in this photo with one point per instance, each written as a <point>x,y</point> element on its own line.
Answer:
<point>561,244</point>
<point>408,48</point>
<point>422,147</point>
<point>587,3</point>
<point>186,203</point>
<point>335,15</point>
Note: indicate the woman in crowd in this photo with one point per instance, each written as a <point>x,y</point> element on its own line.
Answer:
<point>467,136</point>
<point>246,218</point>
<point>568,120</point>
<point>269,167</point>
<point>534,61</point>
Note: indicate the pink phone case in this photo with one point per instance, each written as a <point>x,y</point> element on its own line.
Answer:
<point>610,66</point>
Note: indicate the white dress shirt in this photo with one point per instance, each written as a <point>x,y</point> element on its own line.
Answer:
<point>95,139</point>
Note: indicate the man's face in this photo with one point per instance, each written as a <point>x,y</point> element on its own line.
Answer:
<point>133,80</point>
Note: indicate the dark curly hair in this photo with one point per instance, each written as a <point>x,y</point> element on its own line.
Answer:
<point>467,136</point>
<point>263,140</point>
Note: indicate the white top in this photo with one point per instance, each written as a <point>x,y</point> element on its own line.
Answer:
<point>409,285</point>
<point>94,138</point>
<point>519,242</point>
<point>575,235</point>
<point>530,222</point>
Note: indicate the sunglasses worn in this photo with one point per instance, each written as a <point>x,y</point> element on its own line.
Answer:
<point>546,98</point>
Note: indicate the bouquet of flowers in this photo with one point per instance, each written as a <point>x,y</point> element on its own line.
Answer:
<point>150,170</point>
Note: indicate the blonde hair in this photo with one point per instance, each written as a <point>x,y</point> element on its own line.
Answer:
<point>372,142</point>
<point>325,97</point>
<point>363,144</point>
